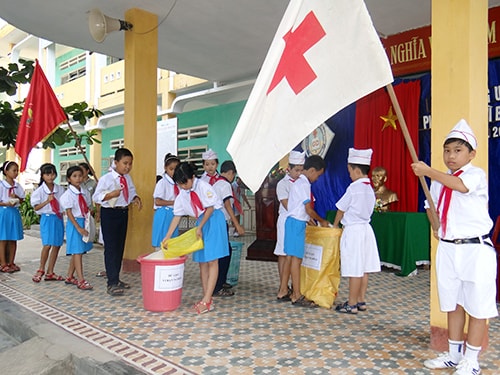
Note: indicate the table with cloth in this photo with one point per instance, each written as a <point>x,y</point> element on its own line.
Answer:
<point>403,239</point>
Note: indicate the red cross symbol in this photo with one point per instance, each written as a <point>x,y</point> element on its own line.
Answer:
<point>293,66</point>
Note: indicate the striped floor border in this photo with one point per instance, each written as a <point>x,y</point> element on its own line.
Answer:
<point>128,352</point>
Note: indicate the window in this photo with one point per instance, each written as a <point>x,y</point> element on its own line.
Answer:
<point>117,143</point>
<point>192,133</point>
<point>71,76</point>
<point>193,155</point>
<point>71,151</point>
<point>73,61</point>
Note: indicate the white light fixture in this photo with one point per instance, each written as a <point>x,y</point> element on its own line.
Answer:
<point>101,25</point>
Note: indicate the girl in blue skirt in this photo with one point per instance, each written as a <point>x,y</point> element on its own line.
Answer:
<point>198,199</point>
<point>45,200</point>
<point>164,195</point>
<point>76,202</point>
<point>11,226</point>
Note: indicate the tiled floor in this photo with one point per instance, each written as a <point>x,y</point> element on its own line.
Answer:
<point>249,333</point>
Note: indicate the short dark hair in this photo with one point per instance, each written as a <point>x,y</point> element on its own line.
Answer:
<point>47,168</point>
<point>460,141</point>
<point>86,167</point>
<point>183,172</point>
<point>72,170</point>
<point>365,169</point>
<point>122,152</point>
<point>227,166</point>
<point>316,162</point>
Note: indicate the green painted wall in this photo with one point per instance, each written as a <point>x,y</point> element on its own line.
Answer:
<point>221,122</point>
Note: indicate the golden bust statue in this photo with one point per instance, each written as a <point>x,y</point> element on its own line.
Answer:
<point>384,196</point>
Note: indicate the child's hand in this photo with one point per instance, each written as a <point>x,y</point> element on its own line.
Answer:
<point>137,201</point>
<point>324,223</point>
<point>50,197</point>
<point>115,193</point>
<point>420,168</point>
<point>199,233</point>
<point>83,232</point>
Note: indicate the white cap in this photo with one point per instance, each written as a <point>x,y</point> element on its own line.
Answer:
<point>209,155</point>
<point>297,158</point>
<point>463,131</point>
<point>362,157</point>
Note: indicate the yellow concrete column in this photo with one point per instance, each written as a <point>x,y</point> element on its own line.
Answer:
<point>459,90</point>
<point>141,62</point>
<point>95,155</point>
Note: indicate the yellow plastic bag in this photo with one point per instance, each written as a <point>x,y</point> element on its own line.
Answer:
<point>320,270</point>
<point>185,244</point>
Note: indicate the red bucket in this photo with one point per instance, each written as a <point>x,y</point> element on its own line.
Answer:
<point>161,281</point>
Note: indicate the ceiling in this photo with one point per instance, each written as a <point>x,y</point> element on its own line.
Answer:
<point>219,40</point>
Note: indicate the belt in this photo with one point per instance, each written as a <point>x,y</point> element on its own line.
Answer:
<point>117,208</point>
<point>474,240</point>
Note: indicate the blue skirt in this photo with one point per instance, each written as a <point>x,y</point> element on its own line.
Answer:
<point>161,222</point>
<point>74,242</point>
<point>215,240</point>
<point>295,237</point>
<point>11,225</point>
<point>51,230</point>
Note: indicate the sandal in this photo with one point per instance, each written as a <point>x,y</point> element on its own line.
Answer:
<point>361,306</point>
<point>123,285</point>
<point>285,298</point>
<point>84,285</point>
<point>203,307</point>
<point>14,267</point>
<point>115,290</point>
<point>224,293</point>
<point>6,269</point>
<point>37,277</point>
<point>71,281</point>
<point>345,308</point>
<point>101,274</point>
<point>304,302</point>
<point>53,277</point>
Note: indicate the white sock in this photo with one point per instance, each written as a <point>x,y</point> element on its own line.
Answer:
<point>456,349</point>
<point>472,352</point>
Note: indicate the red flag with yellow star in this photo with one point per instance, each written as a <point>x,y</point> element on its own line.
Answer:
<point>377,127</point>
<point>42,113</point>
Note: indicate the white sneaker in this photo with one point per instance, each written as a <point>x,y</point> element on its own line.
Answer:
<point>442,361</point>
<point>466,367</point>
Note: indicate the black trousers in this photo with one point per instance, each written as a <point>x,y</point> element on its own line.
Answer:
<point>114,223</point>
<point>223,269</point>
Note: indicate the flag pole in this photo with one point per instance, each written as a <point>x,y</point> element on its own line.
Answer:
<point>434,220</point>
<point>82,150</point>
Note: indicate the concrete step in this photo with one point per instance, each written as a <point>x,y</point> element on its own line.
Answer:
<point>32,345</point>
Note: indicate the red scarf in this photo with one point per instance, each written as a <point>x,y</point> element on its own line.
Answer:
<point>237,204</point>
<point>176,190</point>
<point>83,204</point>
<point>196,203</point>
<point>214,178</point>
<point>54,204</point>
<point>124,186</point>
<point>446,193</point>
<point>11,190</point>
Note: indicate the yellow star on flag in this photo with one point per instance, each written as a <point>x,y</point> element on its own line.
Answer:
<point>390,120</point>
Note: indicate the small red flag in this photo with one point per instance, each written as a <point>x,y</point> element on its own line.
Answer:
<point>42,113</point>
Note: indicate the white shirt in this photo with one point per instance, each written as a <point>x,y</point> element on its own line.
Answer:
<point>109,182</point>
<point>468,215</point>
<point>4,191</point>
<point>206,193</point>
<point>42,193</point>
<point>225,191</point>
<point>300,195</point>
<point>283,191</point>
<point>69,200</point>
<point>164,189</point>
<point>357,202</point>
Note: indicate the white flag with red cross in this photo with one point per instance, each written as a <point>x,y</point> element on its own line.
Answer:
<point>325,55</point>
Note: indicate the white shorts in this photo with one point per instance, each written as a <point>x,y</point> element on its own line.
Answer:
<point>358,251</point>
<point>466,276</point>
<point>279,250</point>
